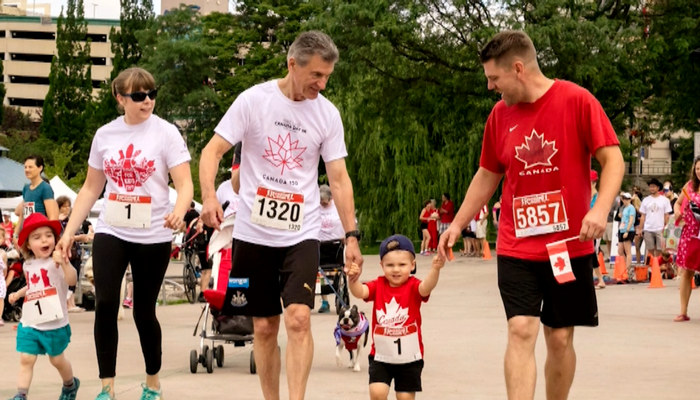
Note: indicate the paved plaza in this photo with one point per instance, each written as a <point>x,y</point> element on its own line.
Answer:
<point>638,352</point>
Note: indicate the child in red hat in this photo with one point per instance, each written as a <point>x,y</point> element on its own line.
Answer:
<point>44,327</point>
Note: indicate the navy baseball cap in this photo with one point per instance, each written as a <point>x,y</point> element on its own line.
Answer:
<point>396,242</point>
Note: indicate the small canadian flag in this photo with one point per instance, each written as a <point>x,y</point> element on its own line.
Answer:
<point>561,264</point>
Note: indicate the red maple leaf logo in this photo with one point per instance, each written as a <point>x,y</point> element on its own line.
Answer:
<point>34,279</point>
<point>284,152</point>
<point>127,171</point>
<point>561,264</point>
<point>536,152</point>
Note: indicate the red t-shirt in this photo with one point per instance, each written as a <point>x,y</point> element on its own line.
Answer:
<point>395,306</point>
<point>448,216</point>
<point>544,147</point>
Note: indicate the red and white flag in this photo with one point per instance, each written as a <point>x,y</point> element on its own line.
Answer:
<point>559,258</point>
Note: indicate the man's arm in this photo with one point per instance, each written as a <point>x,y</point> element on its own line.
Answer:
<point>212,212</point>
<point>341,188</point>
<point>641,222</point>
<point>613,169</point>
<point>482,187</point>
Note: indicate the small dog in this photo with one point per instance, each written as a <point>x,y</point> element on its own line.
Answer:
<point>352,324</point>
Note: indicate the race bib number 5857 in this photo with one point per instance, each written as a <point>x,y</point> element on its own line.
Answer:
<point>279,210</point>
<point>539,214</point>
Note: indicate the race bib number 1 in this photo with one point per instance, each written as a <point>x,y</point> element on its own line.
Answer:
<point>397,345</point>
<point>29,209</point>
<point>279,210</point>
<point>128,211</point>
<point>539,214</point>
<point>41,306</point>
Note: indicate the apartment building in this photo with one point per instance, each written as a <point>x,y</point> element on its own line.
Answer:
<point>27,46</point>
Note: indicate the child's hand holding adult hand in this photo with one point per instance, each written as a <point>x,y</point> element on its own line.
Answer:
<point>13,297</point>
<point>354,271</point>
<point>58,257</point>
<point>438,262</point>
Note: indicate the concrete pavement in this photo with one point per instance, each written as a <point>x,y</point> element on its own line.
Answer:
<point>638,352</point>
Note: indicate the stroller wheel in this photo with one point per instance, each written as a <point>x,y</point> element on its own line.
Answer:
<point>16,314</point>
<point>194,361</point>
<point>203,356</point>
<point>219,355</point>
<point>253,369</point>
<point>210,361</point>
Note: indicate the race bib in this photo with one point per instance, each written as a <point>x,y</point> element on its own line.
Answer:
<point>279,210</point>
<point>128,211</point>
<point>41,306</point>
<point>397,345</point>
<point>539,214</point>
<point>29,209</point>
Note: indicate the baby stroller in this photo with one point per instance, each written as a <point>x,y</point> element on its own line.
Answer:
<point>332,279</point>
<point>13,312</point>
<point>234,329</point>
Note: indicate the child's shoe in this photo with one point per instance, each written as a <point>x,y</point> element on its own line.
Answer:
<point>72,392</point>
<point>128,303</point>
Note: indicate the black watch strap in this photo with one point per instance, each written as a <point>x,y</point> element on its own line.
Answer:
<point>355,234</point>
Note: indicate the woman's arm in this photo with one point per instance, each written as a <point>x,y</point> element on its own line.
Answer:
<point>51,209</point>
<point>182,179</point>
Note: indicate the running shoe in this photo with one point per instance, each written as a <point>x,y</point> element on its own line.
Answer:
<point>150,394</point>
<point>128,303</point>
<point>104,395</point>
<point>72,393</point>
<point>325,308</point>
<point>19,397</point>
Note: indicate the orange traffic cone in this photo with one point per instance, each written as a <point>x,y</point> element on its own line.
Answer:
<point>692,283</point>
<point>601,264</point>
<point>656,281</point>
<point>620,272</point>
<point>487,251</point>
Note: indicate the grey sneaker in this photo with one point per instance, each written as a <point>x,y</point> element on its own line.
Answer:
<point>72,393</point>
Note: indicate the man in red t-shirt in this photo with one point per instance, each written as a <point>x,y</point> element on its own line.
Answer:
<point>447,213</point>
<point>541,137</point>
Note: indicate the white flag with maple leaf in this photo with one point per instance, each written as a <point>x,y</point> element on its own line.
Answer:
<point>561,263</point>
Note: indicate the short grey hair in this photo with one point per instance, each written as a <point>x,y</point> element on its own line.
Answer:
<point>325,191</point>
<point>311,43</point>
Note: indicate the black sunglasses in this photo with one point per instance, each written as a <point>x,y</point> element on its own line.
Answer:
<point>138,97</point>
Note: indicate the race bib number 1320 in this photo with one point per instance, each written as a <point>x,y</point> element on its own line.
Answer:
<point>539,214</point>
<point>279,210</point>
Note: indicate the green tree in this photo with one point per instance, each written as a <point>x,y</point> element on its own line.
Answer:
<point>68,103</point>
<point>135,15</point>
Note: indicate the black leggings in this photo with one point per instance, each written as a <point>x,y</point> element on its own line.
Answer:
<point>149,262</point>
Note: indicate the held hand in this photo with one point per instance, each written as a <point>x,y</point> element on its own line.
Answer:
<point>13,297</point>
<point>58,257</point>
<point>448,240</point>
<point>625,235</point>
<point>354,272</point>
<point>212,213</point>
<point>353,256</point>
<point>174,222</point>
<point>438,262</point>
<point>63,247</point>
<point>593,225</point>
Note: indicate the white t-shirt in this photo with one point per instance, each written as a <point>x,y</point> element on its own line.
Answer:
<point>283,141</point>
<point>331,227</point>
<point>225,193</point>
<point>38,280</point>
<point>654,209</point>
<point>136,160</point>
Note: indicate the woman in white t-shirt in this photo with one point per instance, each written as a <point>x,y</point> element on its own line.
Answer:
<point>134,155</point>
<point>331,229</point>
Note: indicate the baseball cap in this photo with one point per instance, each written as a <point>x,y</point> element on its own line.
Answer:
<point>396,242</point>
<point>626,195</point>
<point>655,182</point>
<point>5,213</point>
<point>594,176</point>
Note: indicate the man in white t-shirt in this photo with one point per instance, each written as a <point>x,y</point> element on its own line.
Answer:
<point>655,210</point>
<point>285,126</point>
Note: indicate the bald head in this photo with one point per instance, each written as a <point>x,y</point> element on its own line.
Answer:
<point>507,46</point>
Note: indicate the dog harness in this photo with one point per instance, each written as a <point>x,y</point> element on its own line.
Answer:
<point>350,337</point>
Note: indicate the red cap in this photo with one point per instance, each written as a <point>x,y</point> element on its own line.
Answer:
<point>594,176</point>
<point>34,221</point>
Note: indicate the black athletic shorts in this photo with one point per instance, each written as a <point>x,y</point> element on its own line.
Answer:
<point>529,288</point>
<point>406,377</point>
<point>261,275</point>
<point>621,237</point>
<point>468,234</point>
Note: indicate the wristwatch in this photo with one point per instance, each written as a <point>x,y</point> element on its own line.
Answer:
<point>355,234</point>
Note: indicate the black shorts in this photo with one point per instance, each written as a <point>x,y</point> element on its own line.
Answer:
<point>423,225</point>
<point>406,377</point>
<point>621,238</point>
<point>261,275</point>
<point>468,234</point>
<point>529,288</point>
